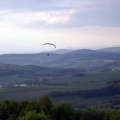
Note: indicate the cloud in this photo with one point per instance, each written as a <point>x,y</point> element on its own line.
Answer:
<point>60,14</point>
<point>39,5</point>
<point>51,19</point>
<point>36,19</point>
<point>27,24</point>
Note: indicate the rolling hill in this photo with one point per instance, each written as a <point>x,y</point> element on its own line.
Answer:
<point>110,49</point>
<point>92,55</point>
<point>61,51</point>
<point>32,70</point>
<point>84,58</point>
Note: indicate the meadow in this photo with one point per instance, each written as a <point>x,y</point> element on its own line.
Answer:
<point>68,83</point>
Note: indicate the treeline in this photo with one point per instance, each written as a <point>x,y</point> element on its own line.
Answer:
<point>44,109</point>
<point>105,91</point>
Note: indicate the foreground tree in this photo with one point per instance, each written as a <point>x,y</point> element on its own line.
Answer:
<point>45,104</point>
<point>9,109</point>
<point>63,111</point>
<point>33,115</point>
<point>112,115</point>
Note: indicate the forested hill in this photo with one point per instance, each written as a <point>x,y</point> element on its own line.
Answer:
<point>110,49</point>
<point>92,55</point>
<point>32,70</point>
<point>62,51</point>
<point>70,59</point>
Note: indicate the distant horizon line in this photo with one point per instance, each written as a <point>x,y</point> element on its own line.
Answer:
<point>68,48</point>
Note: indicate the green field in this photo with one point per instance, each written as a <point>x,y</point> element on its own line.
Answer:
<point>13,79</point>
<point>35,92</point>
<point>90,81</point>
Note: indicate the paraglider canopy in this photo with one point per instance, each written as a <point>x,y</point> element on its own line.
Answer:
<point>49,44</point>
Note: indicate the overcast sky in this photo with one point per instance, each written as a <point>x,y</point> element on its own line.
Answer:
<point>25,25</point>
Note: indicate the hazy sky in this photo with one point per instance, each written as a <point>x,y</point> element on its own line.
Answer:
<point>25,25</point>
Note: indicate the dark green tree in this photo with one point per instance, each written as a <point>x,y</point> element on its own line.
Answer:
<point>44,103</point>
<point>33,115</point>
<point>9,108</point>
<point>63,111</point>
<point>112,115</point>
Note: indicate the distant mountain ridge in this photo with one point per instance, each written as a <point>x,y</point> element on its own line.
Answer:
<point>110,49</point>
<point>61,51</point>
<point>74,58</point>
<point>93,54</point>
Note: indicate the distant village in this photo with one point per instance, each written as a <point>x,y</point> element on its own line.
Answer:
<point>16,85</point>
<point>24,84</point>
<point>31,83</point>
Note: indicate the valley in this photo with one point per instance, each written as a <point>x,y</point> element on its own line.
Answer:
<point>77,79</point>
